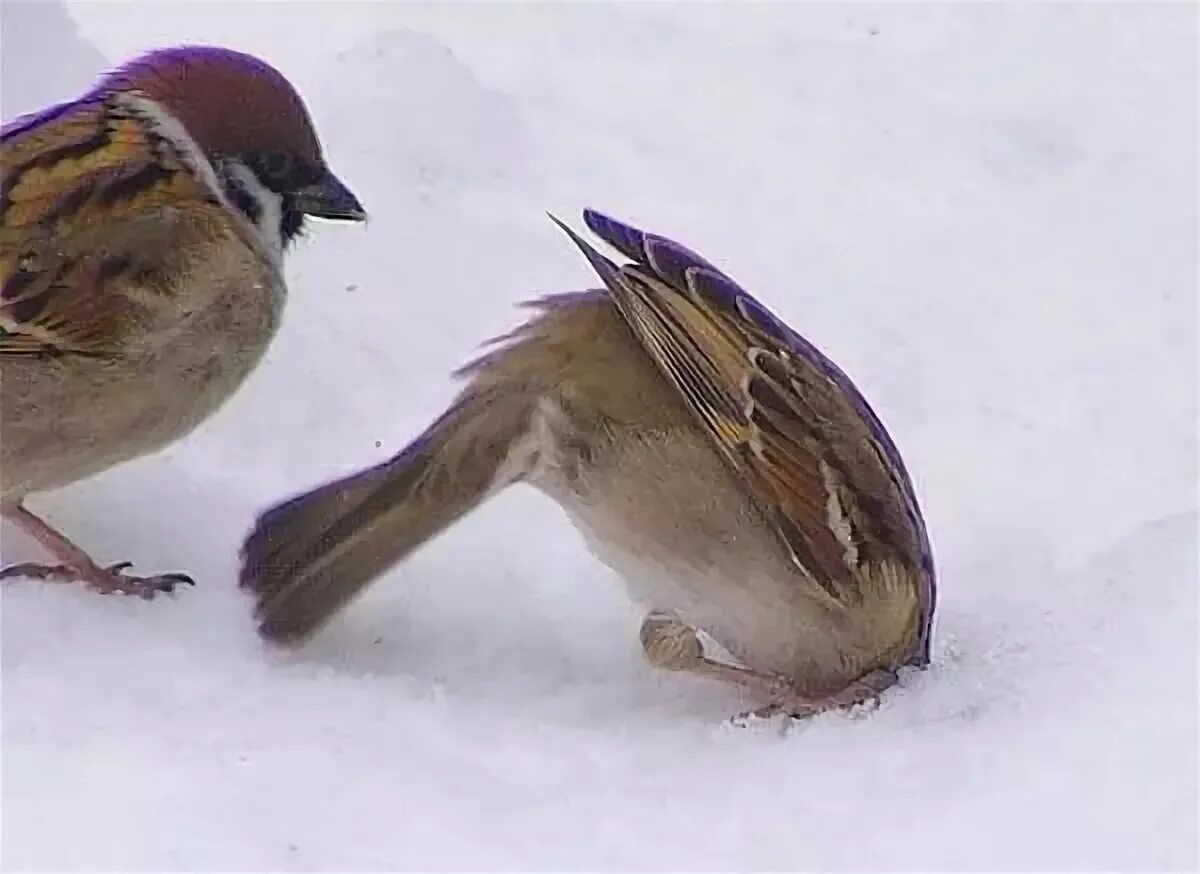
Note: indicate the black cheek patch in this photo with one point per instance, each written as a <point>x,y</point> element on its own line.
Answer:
<point>242,200</point>
<point>291,220</point>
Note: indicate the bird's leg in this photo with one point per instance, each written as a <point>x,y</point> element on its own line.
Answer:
<point>865,690</point>
<point>673,645</point>
<point>77,566</point>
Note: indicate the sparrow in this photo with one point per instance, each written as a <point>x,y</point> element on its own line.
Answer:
<point>728,471</point>
<point>142,233</point>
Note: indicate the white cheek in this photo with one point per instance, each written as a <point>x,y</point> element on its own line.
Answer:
<point>270,206</point>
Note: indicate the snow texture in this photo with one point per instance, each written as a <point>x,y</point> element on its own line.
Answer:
<point>985,214</point>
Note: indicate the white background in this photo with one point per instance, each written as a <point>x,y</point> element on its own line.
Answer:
<point>985,214</point>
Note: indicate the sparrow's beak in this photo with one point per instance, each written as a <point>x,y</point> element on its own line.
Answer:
<point>329,198</point>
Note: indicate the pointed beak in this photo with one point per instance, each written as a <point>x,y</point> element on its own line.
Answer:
<point>329,198</point>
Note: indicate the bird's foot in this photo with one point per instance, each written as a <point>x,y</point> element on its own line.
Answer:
<point>105,580</point>
<point>786,700</point>
<point>670,643</point>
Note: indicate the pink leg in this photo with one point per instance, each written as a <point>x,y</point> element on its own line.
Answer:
<point>671,644</point>
<point>865,690</point>
<point>76,565</point>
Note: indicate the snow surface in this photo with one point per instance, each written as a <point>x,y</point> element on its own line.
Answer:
<point>986,214</point>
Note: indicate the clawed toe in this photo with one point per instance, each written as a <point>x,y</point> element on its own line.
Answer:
<point>786,700</point>
<point>794,708</point>
<point>76,566</point>
<point>105,580</point>
<point>114,580</point>
<point>32,570</point>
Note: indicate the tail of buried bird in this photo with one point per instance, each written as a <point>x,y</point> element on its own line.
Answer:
<point>307,558</point>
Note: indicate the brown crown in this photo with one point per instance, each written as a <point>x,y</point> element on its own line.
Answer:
<point>230,102</point>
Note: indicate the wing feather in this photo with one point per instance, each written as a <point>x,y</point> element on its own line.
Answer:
<point>97,196</point>
<point>791,424</point>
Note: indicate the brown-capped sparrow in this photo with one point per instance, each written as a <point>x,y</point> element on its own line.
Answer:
<point>142,228</point>
<point>727,470</point>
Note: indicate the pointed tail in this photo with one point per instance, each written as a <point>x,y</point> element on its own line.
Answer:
<point>307,558</point>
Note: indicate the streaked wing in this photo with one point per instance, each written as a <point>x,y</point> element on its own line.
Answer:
<point>93,193</point>
<point>813,454</point>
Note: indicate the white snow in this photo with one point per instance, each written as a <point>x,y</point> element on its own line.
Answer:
<point>986,214</point>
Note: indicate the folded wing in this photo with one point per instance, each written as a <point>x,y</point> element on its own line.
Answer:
<point>93,195</point>
<point>812,453</point>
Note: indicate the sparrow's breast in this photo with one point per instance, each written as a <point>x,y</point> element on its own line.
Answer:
<point>70,417</point>
<point>660,508</point>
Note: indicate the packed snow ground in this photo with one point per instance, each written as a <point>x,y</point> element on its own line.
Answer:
<point>985,214</point>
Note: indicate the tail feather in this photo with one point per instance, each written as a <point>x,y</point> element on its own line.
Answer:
<point>308,557</point>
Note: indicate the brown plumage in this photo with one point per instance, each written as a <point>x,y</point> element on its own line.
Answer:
<point>730,473</point>
<point>142,228</point>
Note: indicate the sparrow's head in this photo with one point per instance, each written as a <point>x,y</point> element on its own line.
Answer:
<point>252,125</point>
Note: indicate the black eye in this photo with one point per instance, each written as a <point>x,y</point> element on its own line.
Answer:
<point>275,167</point>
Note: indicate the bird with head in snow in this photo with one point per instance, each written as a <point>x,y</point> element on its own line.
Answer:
<point>142,230</point>
<point>726,469</point>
